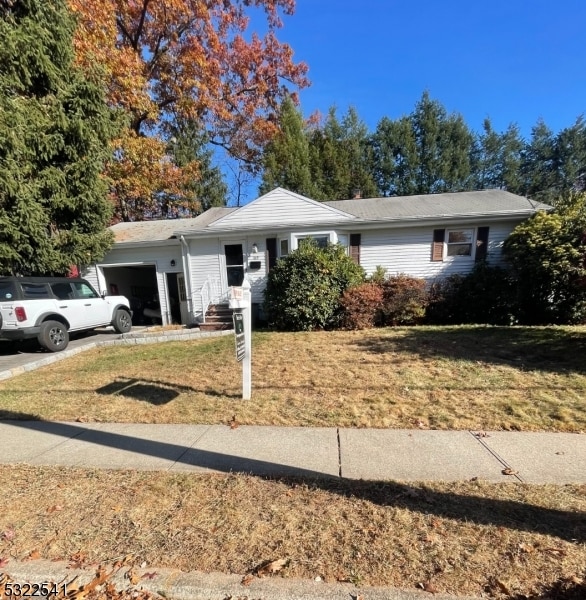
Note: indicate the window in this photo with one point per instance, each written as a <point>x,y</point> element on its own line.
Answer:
<point>85,291</point>
<point>321,240</point>
<point>283,247</point>
<point>7,290</point>
<point>63,291</point>
<point>35,290</point>
<point>459,242</point>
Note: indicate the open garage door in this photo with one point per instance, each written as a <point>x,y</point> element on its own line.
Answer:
<point>139,284</point>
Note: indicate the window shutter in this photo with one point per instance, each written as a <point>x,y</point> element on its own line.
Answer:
<point>437,248</point>
<point>481,244</point>
<point>271,253</point>
<point>355,240</point>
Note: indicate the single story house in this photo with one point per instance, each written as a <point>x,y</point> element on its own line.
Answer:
<point>189,264</point>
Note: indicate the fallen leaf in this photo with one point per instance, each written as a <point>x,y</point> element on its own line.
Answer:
<point>8,534</point>
<point>132,576</point>
<point>509,471</point>
<point>33,555</point>
<point>3,561</point>
<point>430,587</point>
<point>272,567</point>
<point>474,479</point>
<point>527,548</point>
<point>359,597</point>
<point>560,453</point>
<point>555,551</point>
<point>54,508</point>
<point>481,434</point>
<point>150,575</point>
<point>234,423</point>
<point>247,579</point>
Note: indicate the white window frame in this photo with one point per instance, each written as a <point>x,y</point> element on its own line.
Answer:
<point>471,243</point>
<point>297,237</point>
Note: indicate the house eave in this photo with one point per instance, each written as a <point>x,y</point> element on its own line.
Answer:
<point>146,243</point>
<point>358,223</point>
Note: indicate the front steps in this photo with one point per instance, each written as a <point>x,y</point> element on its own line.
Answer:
<point>218,318</point>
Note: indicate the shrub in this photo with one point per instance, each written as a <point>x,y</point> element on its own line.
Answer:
<point>362,306</point>
<point>304,288</point>
<point>484,296</point>
<point>404,300</point>
<point>378,276</point>
<point>442,307</point>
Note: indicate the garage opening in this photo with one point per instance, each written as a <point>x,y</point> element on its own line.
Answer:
<point>139,284</point>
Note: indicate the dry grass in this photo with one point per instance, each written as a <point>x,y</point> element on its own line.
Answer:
<point>468,538</point>
<point>442,378</point>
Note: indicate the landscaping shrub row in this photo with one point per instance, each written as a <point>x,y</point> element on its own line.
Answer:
<point>323,288</point>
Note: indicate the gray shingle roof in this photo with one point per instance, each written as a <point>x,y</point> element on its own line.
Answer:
<point>484,202</point>
<point>165,229</point>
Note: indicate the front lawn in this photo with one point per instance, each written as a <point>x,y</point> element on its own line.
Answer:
<point>427,377</point>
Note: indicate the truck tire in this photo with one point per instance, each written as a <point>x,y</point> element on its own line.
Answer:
<point>122,321</point>
<point>53,336</point>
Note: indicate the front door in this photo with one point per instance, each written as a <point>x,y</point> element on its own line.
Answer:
<point>234,254</point>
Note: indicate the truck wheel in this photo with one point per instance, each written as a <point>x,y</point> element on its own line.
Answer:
<point>53,336</point>
<point>122,322</point>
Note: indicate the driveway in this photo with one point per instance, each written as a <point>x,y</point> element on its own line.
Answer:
<point>13,356</point>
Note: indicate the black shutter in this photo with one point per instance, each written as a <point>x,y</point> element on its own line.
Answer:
<point>437,248</point>
<point>481,244</point>
<point>355,240</point>
<point>271,253</point>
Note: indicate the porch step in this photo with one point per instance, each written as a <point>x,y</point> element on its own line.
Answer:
<point>218,318</point>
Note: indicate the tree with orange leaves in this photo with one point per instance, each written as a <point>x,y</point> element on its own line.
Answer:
<point>167,61</point>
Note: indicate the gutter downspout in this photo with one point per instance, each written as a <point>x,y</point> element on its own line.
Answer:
<point>187,276</point>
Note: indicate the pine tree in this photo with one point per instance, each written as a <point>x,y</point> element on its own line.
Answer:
<point>206,188</point>
<point>286,159</point>
<point>341,158</point>
<point>54,134</point>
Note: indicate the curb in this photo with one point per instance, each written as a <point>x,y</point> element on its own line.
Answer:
<point>124,339</point>
<point>177,585</point>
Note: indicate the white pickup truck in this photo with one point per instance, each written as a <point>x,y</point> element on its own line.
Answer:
<point>49,308</point>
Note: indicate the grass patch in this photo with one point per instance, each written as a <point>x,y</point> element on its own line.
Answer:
<point>437,377</point>
<point>470,538</point>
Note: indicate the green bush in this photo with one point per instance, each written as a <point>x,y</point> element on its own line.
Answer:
<point>484,296</point>
<point>362,306</point>
<point>304,288</point>
<point>548,257</point>
<point>404,300</point>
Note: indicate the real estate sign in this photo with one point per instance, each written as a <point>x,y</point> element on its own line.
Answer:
<point>239,335</point>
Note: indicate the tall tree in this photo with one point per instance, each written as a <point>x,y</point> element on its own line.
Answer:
<point>186,59</point>
<point>497,158</point>
<point>341,157</point>
<point>286,159</point>
<point>538,164</point>
<point>207,188</point>
<point>427,152</point>
<point>54,132</point>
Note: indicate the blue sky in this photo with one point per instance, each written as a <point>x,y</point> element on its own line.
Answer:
<point>512,60</point>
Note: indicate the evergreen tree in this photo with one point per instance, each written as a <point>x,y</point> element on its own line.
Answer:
<point>286,159</point>
<point>497,158</point>
<point>427,152</point>
<point>342,158</point>
<point>538,164</point>
<point>54,134</point>
<point>206,188</point>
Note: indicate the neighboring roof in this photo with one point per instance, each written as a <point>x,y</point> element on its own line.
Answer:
<point>164,229</point>
<point>485,202</point>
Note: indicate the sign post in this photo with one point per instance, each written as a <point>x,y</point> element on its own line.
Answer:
<point>240,302</point>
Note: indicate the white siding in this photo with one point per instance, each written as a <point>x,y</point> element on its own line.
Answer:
<point>204,262</point>
<point>409,251</point>
<point>279,208</point>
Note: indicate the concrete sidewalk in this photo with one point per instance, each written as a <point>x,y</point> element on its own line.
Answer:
<point>370,454</point>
